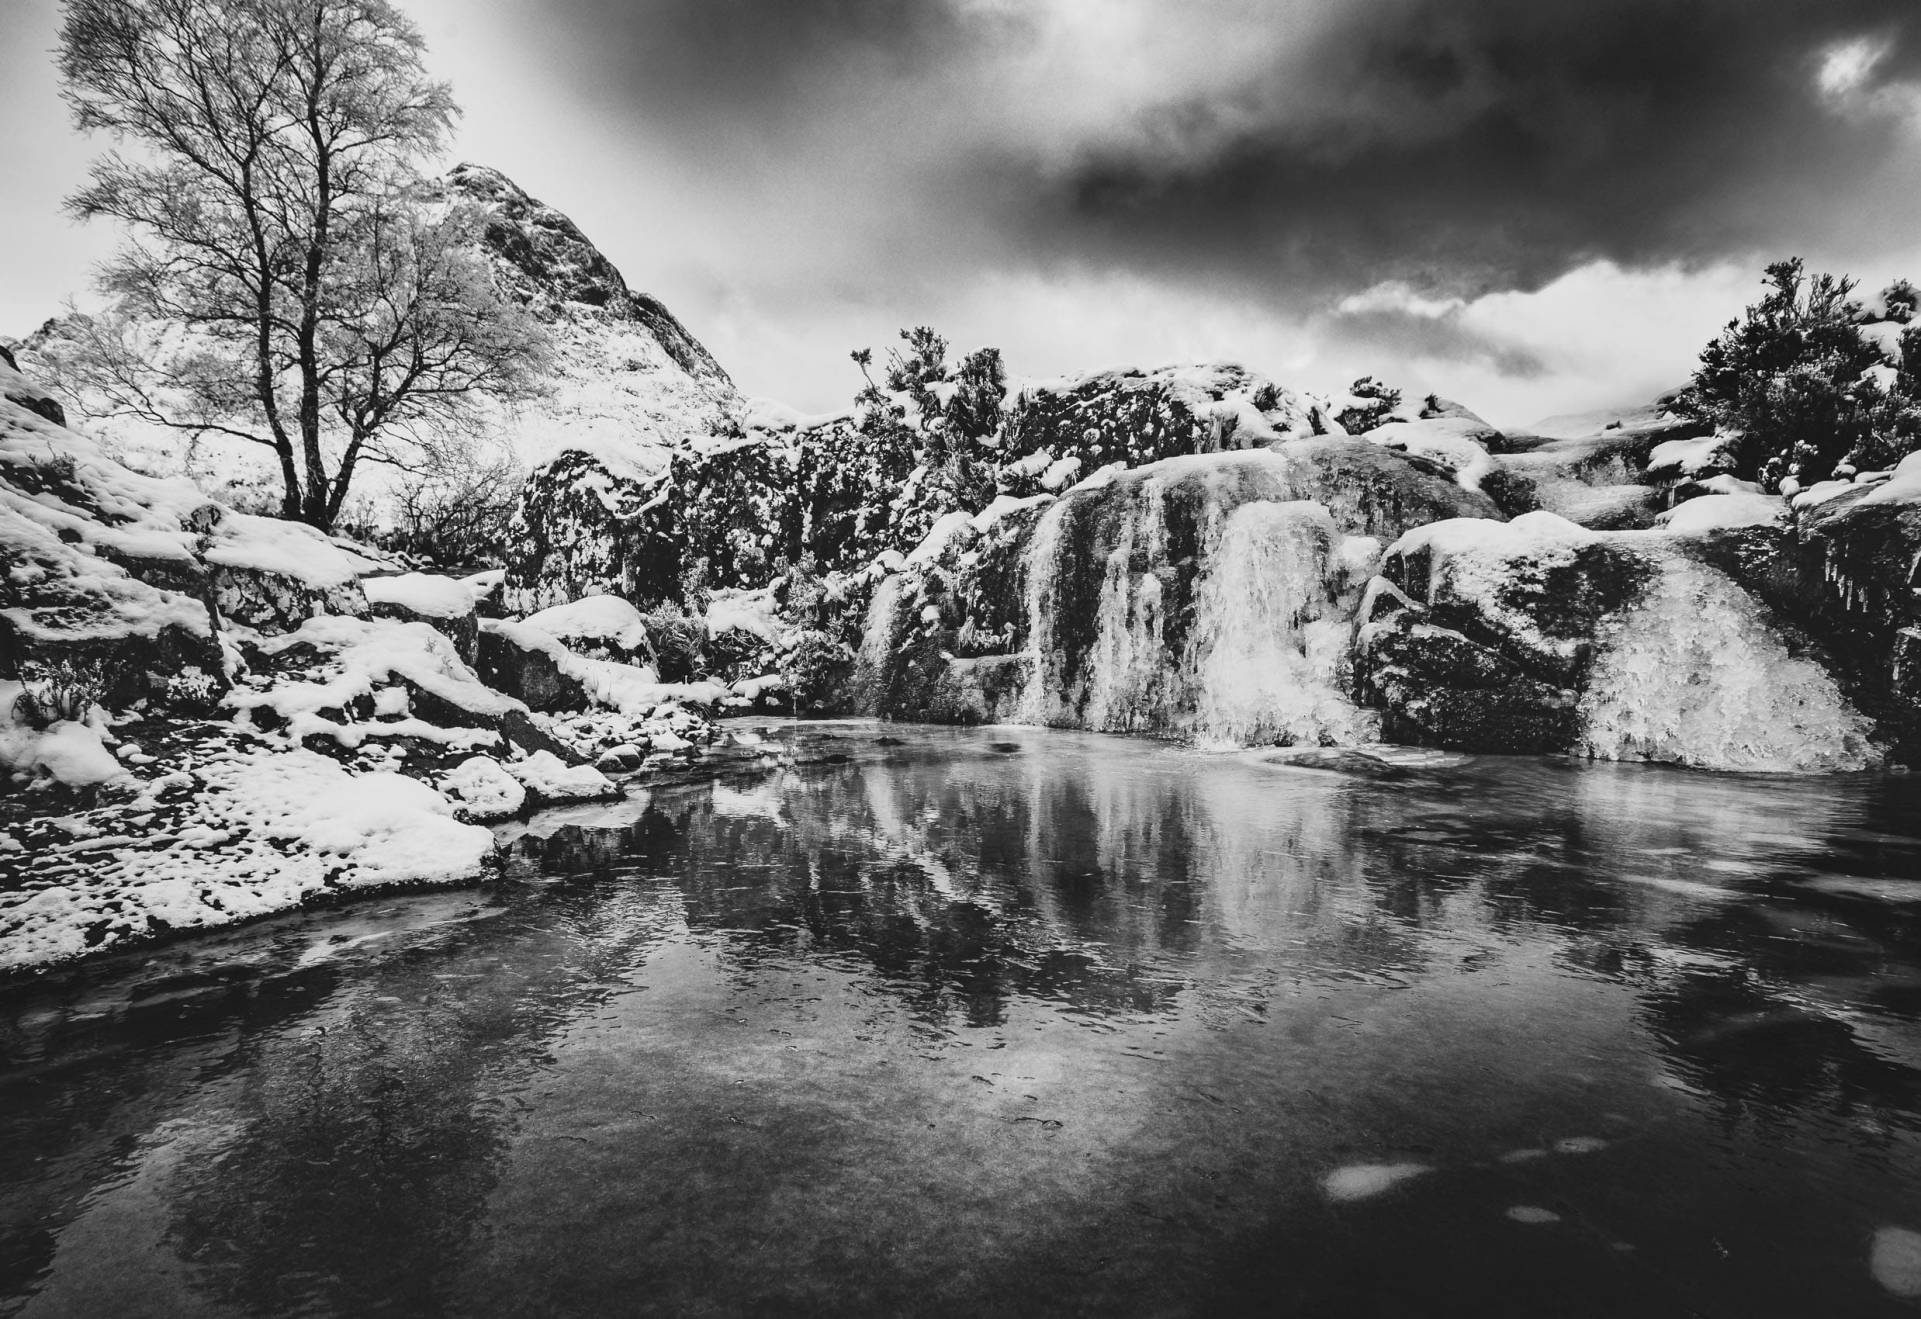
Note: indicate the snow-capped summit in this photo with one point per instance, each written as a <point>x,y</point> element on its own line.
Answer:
<point>630,380</point>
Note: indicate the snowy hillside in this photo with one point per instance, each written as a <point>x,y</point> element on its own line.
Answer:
<point>631,380</point>
<point>629,383</point>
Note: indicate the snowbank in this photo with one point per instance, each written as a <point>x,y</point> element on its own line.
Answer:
<point>67,752</point>
<point>1718,512</point>
<point>602,619</point>
<point>423,594</point>
<point>257,832</point>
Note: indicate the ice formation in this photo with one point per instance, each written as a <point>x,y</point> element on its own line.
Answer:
<point>1212,596</point>
<point>1693,675</point>
<point>1270,648</point>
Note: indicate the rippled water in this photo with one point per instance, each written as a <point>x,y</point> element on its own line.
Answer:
<point>1016,1022</point>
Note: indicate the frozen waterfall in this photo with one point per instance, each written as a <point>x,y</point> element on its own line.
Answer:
<point>1272,625</point>
<point>1694,675</point>
<point>1217,609</point>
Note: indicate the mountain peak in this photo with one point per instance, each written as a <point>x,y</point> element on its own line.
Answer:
<point>546,261</point>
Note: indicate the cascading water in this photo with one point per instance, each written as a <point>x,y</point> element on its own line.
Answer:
<point>1200,597</point>
<point>1693,675</point>
<point>1269,654</point>
<point>1130,685</point>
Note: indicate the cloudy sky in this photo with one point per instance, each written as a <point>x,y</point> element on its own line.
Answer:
<point>1533,206</point>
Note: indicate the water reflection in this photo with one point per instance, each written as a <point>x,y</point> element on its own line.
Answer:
<point>938,1026</point>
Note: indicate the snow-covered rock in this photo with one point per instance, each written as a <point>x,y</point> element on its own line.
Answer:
<point>1539,635</point>
<point>553,781</point>
<point>483,790</point>
<point>443,603</point>
<point>272,574</point>
<point>1206,595</point>
<point>599,626</point>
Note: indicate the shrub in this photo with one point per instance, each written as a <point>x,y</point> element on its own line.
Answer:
<point>1371,401</point>
<point>61,688</point>
<point>679,639</point>
<point>1792,381</point>
<point>814,667</point>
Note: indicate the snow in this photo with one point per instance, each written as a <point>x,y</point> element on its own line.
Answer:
<point>68,752</point>
<point>1060,475</point>
<point>484,584</point>
<point>1678,459</point>
<point>552,779</point>
<point>262,832</point>
<point>1719,512</point>
<point>424,594</point>
<point>284,549</point>
<point>753,612</point>
<point>945,529</point>
<point>603,619</point>
<point>1449,441</point>
<point>1820,493</point>
<point>765,414</point>
<point>484,790</point>
<point>1885,335</point>
<point>1004,506</point>
<point>1903,487</point>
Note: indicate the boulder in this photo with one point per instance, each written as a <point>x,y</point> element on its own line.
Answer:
<point>1540,636</point>
<point>446,605</point>
<point>522,663</point>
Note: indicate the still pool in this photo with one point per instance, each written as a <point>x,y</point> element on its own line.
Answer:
<point>1017,1022</point>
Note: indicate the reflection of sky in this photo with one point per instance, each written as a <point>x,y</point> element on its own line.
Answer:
<point>949,1013</point>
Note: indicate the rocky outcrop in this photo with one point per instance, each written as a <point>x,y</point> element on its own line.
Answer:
<point>1540,636</point>
<point>443,603</point>
<point>1206,595</point>
<point>840,490</point>
<point>1856,577</point>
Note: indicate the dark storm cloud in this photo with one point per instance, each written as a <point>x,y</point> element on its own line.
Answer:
<point>1474,145</point>
<point>1457,146</point>
<point>755,58</point>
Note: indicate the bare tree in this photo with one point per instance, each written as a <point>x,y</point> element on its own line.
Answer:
<point>287,283</point>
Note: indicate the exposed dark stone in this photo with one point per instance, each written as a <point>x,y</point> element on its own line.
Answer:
<point>1457,663</point>
<point>528,674</point>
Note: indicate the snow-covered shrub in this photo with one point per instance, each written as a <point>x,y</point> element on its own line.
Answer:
<point>1808,380</point>
<point>1368,404</point>
<point>815,666</point>
<point>679,639</point>
<point>60,687</point>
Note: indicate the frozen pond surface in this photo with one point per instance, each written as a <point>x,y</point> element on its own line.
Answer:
<point>1006,1022</point>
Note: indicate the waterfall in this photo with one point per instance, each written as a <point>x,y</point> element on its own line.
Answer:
<point>1043,580</point>
<point>1269,653</point>
<point>1130,685</point>
<point>1693,675</point>
<point>1190,601</point>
